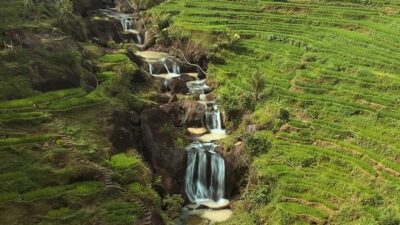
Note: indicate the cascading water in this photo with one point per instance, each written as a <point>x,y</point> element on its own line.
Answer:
<point>166,67</point>
<point>203,160</point>
<point>151,68</point>
<point>176,68</point>
<point>198,87</point>
<point>213,119</point>
<point>139,39</point>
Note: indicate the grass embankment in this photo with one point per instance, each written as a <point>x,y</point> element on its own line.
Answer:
<point>48,138</point>
<point>333,66</point>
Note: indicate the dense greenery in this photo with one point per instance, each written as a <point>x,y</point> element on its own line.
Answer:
<point>311,87</point>
<point>53,141</point>
<point>330,99</point>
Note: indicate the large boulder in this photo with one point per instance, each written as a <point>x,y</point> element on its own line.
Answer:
<point>124,130</point>
<point>159,147</point>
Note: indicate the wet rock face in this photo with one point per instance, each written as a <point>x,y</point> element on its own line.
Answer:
<point>166,159</point>
<point>194,114</point>
<point>123,130</point>
<point>103,30</point>
<point>236,169</point>
<point>178,85</point>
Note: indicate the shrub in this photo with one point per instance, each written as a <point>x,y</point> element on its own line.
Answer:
<point>235,103</point>
<point>261,195</point>
<point>172,204</point>
<point>228,39</point>
<point>258,143</point>
<point>284,115</point>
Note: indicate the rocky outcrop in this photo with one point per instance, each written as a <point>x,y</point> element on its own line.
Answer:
<point>47,77</point>
<point>124,130</point>
<point>194,114</point>
<point>236,169</point>
<point>178,84</point>
<point>105,30</point>
<point>159,147</point>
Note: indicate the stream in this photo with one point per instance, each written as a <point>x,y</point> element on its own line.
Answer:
<point>205,171</point>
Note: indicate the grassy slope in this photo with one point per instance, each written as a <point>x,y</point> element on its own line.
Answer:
<point>43,137</point>
<point>335,66</point>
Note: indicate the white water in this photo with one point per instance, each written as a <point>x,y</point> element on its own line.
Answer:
<point>127,22</point>
<point>198,86</point>
<point>203,161</point>
<point>139,39</point>
<point>166,67</point>
<point>213,119</point>
<point>151,68</point>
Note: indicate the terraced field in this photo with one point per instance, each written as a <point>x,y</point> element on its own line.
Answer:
<point>55,161</point>
<point>334,66</point>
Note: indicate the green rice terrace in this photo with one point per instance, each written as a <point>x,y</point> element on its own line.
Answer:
<point>234,112</point>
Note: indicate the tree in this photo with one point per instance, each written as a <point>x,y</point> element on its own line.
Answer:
<point>64,8</point>
<point>257,84</point>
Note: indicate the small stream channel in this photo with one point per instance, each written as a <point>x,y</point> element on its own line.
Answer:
<point>205,172</point>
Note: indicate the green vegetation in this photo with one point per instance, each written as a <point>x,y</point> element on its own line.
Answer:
<point>123,161</point>
<point>113,58</point>
<point>121,213</point>
<point>328,102</point>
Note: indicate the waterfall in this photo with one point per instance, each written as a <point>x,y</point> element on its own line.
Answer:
<point>139,39</point>
<point>176,68</point>
<point>213,119</point>
<point>218,175</point>
<point>166,67</point>
<point>151,68</point>
<point>202,159</point>
<point>198,86</point>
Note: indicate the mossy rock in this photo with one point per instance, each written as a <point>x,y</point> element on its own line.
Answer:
<point>123,161</point>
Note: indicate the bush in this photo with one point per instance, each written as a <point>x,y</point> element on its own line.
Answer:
<point>172,204</point>
<point>235,103</point>
<point>284,115</point>
<point>228,39</point>
<point>261,195</point>
<point>258,143</point>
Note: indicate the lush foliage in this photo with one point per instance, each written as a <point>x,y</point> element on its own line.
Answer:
<point>330,100</point>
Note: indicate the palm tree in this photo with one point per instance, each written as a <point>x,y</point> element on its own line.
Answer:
<point>257,84</point>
